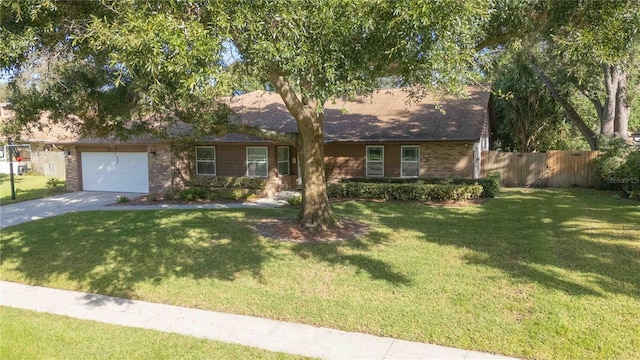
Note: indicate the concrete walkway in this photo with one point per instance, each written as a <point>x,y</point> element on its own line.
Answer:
<point>18,213</point>
<point>244,330</point>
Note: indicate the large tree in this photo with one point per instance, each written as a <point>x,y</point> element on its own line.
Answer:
<point>121,61</point>
<point>527,118</point>
<point>577,48</point>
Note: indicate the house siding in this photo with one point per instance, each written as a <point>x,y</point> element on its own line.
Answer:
<point>72,169</point>
<point>160,175</point>
<point>446,159</point>
<point>342,160</point>
<point>231,160</point>
<point>437,159</point>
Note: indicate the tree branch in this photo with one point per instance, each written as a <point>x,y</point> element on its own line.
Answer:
<point>571,113</point>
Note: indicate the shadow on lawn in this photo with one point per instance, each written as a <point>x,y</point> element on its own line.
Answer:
<point>570,240</point>
<point>21,193</point>
<point>113,251</point>
<point>351,254</point>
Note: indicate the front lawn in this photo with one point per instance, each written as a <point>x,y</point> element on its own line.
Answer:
<point>549,274</point>
<point>28,187</point>
<point>29,335</point>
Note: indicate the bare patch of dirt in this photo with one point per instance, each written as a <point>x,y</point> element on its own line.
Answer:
<point>290,230</point>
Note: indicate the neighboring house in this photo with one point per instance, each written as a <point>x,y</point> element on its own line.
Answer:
<point>382,135</point>
<point>34,147</point>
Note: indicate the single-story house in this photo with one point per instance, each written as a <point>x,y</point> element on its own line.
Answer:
<point>381,135</point>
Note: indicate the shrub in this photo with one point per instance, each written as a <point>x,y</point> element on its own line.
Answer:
<point>618,168</point>
<point>122,199</point>
<point>405,192</point>
<point>490,184</point>
<point>229,194</point>
<point>294,200</point>
<point>169,195</point>
<point>52,184</point>
<point>192,194</point>
<point>230,182</point>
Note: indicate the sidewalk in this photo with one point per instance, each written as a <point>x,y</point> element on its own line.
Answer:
<point>244,330</point>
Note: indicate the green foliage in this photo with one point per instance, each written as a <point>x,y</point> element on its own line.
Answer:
<point>53,184</point>
<point>195,193</point>
<point>230,182</point>
<point>405,192</point>
<point>490,184</point>
<point>527,117</point>
<point>122,199</point>
<point>170,195</point>
<point>232,194</point>
<point>192,193</point>
<point>294,200</point>
<point>618,168</point>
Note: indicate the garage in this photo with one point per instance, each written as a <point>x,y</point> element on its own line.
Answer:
<point>115,171</point>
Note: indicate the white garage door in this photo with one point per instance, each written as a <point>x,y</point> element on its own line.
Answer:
<point>119,171</point>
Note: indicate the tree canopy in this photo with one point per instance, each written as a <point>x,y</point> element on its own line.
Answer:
<point>580,51</point>
<point>114,62</point>
<point>140,65</point>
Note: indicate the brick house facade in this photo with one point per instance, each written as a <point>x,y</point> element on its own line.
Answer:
<point>381,135</point>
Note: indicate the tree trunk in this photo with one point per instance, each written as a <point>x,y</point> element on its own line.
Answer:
<point>611,86</point>
<point>623,108</point>
<point>570,112</point>
<point>315,215</point>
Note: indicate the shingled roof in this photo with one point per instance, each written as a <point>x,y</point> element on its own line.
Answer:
<point>386,115</point>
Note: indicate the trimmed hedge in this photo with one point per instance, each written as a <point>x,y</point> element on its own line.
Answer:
<point>405,192</point>
<point>490,184</point>
<point>199,193</point>
<point>230,182</point>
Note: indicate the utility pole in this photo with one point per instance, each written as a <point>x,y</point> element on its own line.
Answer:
<point>13,187</point>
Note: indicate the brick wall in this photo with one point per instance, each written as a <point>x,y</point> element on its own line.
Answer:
<point>437,159</point>
<point>160,174</point>
<point>446,159</point>
<point>72,169</point>
<point>230,161</point>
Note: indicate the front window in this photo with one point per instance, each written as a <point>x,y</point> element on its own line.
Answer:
<point>410,161</point>
<point>257,163</point>
<point>375,161</point>
<point>206,160</point>
<point>283,160</point>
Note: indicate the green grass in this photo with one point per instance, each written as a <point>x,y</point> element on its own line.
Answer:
<point>30,335</point>
<point>548,274</point>
<point>28,187</point>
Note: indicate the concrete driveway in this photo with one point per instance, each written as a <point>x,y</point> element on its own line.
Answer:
<point>21,212</point>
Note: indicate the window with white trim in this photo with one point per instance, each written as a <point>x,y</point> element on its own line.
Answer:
<point>206,160</point>
<point>283,160</point>
<point>375,161</point>
<point>410,161</point>
<point>257,161</point>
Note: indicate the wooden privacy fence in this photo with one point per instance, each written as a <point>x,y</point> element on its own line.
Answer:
<point>49,163</point>
<point>553,168</point>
